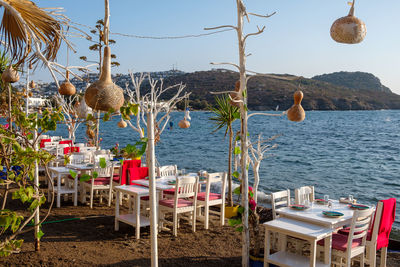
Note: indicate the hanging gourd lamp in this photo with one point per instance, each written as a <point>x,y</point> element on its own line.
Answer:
<point>122,124</point>
<point>235,96</point>
<point>184,124</point>
<point>32,84</point>
<point>67,88</point>
<point>349,29</point>
<point>10,75</point>
<point>103,94</point>
<point>296,112</point>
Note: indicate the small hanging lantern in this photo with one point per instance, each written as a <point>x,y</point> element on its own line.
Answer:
<point>122,124</point>
<point>32,84</point>
<point>349,29</point>
<point>10,75</point>
<point>67,88</point>
<point>296,112</point>
<point>185,122</point>
<point>235,96</point>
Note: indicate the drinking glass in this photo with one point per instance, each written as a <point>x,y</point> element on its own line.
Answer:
<point>351,198</point>
<point>183,172</point>
<point>326,198</point>
<point>292,202</point>
<point>330,204</point>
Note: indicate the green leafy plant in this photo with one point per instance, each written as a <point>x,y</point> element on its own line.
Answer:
<point>224,116</point>
<point>136,150</point>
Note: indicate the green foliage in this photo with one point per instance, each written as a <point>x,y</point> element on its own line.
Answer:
<point>136,150</point>
<point>224,114</point>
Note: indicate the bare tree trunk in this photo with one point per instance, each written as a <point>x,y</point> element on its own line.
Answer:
<point>9,107</point>
<point>230,197</point>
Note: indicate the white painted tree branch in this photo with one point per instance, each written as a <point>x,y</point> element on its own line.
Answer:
<point>226,63</point>
<point>261,16</point>
<point>266,114</point>
<point>220,27</point>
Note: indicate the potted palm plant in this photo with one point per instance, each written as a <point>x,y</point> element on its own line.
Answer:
<point>224,116</point>
<point>136,150</point>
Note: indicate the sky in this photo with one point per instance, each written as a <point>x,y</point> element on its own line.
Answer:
<point>296,39</point>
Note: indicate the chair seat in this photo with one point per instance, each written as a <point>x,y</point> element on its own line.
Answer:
<point>339,242</point>
<point>181,203</point>
<point>346,231</point>
<point>100,181</point>
<point>145,198</point>
<point>116,178</point>
<point>213,196</point>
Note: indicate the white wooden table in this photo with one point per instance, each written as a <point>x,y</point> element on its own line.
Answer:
<point>59,189</point>
<point>163,183</point>
<point>314,214</point>
<point>79,169</point>
<point>306,231</point>
<point>133,218</point>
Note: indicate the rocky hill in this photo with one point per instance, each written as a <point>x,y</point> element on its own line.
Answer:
<point>354,80</point>
<point>266,93</point>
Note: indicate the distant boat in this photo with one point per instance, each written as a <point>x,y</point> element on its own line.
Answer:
<point>277,108</point>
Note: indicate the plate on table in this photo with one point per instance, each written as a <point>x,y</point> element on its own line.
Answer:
<point>172,182</point>
<point>298,207</point>
<point>321,201</point>
<point>332,214</point>
<point>202,178</point>
<point>359,207</point>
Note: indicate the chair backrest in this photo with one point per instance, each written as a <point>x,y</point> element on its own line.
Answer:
<point>60,149</point>
<point>97,157</point>
<point>80,145</point>
<point>376,222</point>
<point>108,171</point>
<point>279,199</point>
<point>56,138</point>
<point>81,157</point>
<point>216,177</point>
<point>303,193</point>
<point>168,170</point>
<point>186,186</point>
<point>359,227</point>
<point>88,148</point>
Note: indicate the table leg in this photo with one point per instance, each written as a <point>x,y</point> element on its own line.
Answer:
<point>58,190</point>
<point>137,210</point>
<point>116,227</point>
<point>76,191</point>
<point>327,249</point>
<point>267,248</point>
<point>313,253</point>
<point>282,241</point>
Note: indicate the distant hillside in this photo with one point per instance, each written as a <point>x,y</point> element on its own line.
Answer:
<point>267,93</point>
<point>354,80</point>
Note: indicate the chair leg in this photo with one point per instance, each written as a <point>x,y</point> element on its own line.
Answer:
<point>371,256</point>
<point>175,221</point>
<point>194,220</point>
<point>222,215</point>
<point>383,256</point>
<point>362,260</point>
<point>91,197</point>
<point>206,216</point>
<point>109,197</point>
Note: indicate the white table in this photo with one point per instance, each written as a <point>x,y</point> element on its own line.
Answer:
<point>314,214</point>
<point>134,218</point>
<point>306,231</point>
<point>79,169</point>
<point>163,183</point>
<point>59,172</point>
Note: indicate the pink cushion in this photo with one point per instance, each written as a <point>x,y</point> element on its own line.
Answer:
<point>42,145</point>
<point>100,181</point>
<point>116,178</point>
<point>128,164</point>
<point>346,231</point>
<point>68,142</point>
<point>213,196</point>
<point>137,173</point>
<point>181,203</point>
<point>146,198</point>
<point>68,149</point>
<point>339,242</point>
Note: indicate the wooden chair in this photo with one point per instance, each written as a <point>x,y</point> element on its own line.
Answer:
<point>168,170</point>
<point>207,199</point>
<point>279,199</point>
<point>303,193</point>
<point>184,201</point>
<point>347,247</point>
<point>102,183</point>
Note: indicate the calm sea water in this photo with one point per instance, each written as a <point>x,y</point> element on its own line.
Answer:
<point>339,152</point>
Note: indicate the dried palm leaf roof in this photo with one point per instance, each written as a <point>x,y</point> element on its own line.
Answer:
<point>23,22</point>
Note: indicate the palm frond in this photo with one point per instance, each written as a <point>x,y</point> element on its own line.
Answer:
<point>42,26</point>
<point>224,113</point>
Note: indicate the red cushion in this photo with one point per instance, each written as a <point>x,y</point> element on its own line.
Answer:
<point>137,173</point>
<point>100,181</point>
<point>181,203</point>
<point>68,150</point>
<point>68,142</point>
<point>146,198</point>
<point>169,191</point>
<point>213,196</point>
<point>116,178</point>
<point>44,141</point>
<point>339,242</point>
<point>128,164</point>
<point>346,231</point>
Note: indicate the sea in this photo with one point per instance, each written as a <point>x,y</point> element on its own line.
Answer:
<point>340,153</point>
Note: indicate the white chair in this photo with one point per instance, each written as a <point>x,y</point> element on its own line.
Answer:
<point>304,193</point>
<point>88,148</point>
<point>184,201</point>
<point>207,199</point>
<point>80,145</point>
<point>348,247</point>
<point>168,170</point>
<point>101,183</point>
<point>60,149</point>
<point>279,199</point>
<point>56,138</point>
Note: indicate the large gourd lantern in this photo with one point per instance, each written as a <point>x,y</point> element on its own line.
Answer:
<point>296,112</point>
<point>67,88</point>
<point>103,94</point>
<point>349,29</point>
<point>10,75</point>
<point>122,124</point>
<point>185,123</point>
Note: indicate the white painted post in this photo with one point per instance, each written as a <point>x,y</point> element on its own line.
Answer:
<point>152,188</point>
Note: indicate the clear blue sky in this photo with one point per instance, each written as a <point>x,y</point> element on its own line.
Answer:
<point>296,39</point>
